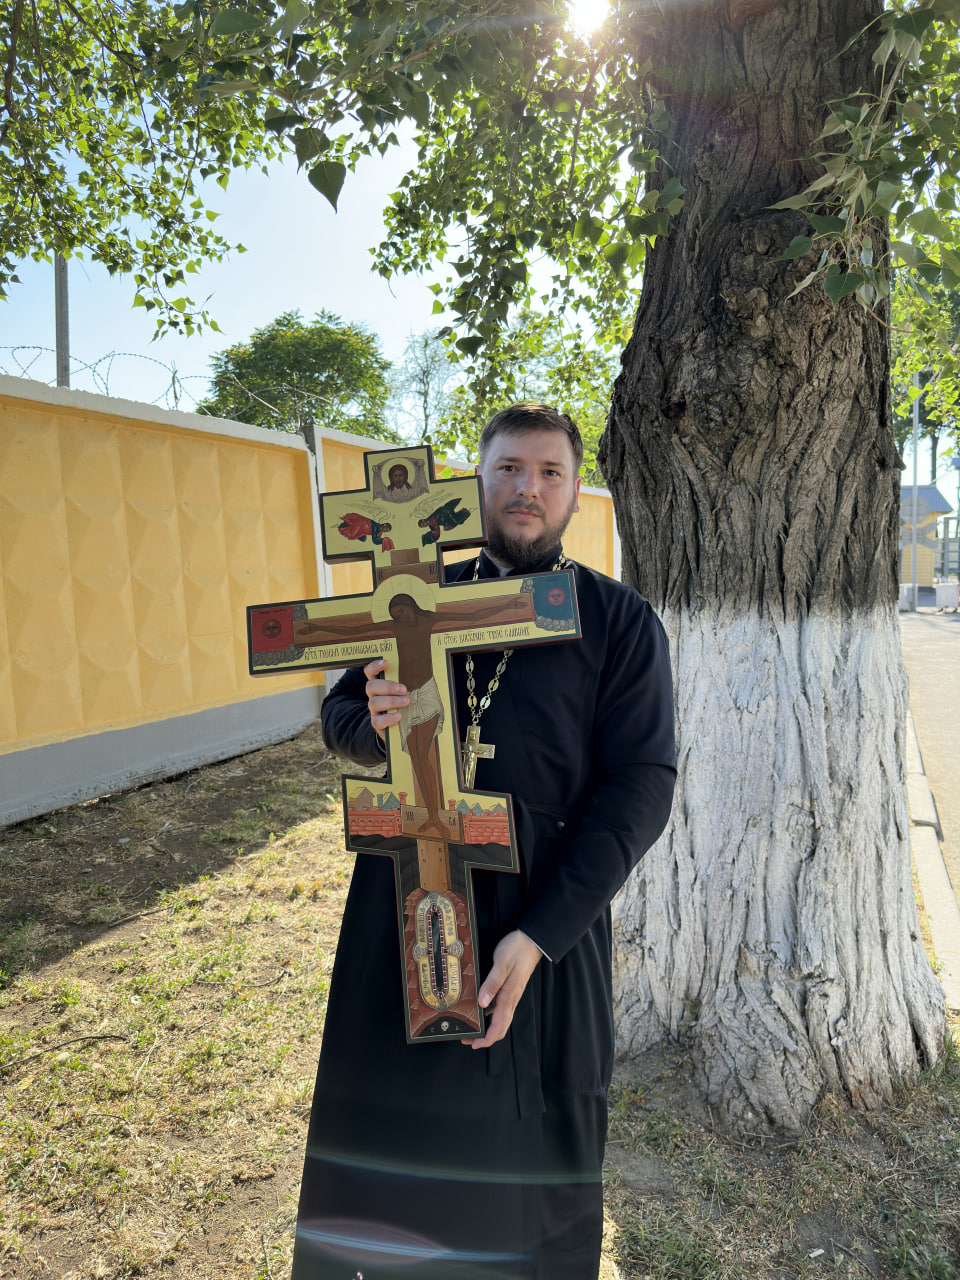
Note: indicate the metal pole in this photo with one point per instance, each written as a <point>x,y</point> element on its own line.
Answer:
<point>62,320</point>
<point>916,495</point>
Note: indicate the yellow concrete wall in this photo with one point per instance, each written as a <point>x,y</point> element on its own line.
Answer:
<point>590,535</point>
<point>589,538</point>
<point>128,552</point>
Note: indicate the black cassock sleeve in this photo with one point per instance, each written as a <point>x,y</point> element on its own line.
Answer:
<point>345,720</point>
<point>633,773</point>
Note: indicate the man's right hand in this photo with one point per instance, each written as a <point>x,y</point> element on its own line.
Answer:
<point>383,698</point>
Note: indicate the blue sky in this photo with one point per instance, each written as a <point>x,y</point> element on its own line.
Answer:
<point>300,255</point>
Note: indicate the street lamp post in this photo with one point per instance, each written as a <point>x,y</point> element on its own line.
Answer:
<point>62,314</point>
<point>916,494</point>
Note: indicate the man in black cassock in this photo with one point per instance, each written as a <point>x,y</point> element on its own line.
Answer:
<point>481,1159</point>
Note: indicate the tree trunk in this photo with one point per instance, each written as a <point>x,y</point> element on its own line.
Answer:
<point>756,484</point>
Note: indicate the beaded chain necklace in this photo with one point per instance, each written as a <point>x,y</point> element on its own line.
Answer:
<point>472,748</point>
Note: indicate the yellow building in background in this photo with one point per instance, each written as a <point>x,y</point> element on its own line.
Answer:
<point>930,503</point>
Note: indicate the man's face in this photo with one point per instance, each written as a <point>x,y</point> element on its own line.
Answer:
<point>530,490</point>
<point>398,477</point>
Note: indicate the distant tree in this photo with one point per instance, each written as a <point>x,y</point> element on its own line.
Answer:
<point>290,372</point>
<point>926,347</point>
<point>423,385</point>
<point>104,150</point>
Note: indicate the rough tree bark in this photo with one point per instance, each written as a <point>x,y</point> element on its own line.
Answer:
<point>756,485</point>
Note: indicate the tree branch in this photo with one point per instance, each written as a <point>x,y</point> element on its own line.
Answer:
<point>12,1066</point>
<point>576,128</point>
<point>15,25</point>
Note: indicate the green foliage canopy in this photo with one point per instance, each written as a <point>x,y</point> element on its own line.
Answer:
<point>535,140</point>
<point>292,372</point>
<point>926,364</point>
<point>104,148</point>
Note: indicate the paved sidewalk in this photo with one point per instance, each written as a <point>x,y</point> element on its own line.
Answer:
<point>931,652</point>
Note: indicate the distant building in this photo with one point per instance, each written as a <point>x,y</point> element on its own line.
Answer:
<point>930,503</point>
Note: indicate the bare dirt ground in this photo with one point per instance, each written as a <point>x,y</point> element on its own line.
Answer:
<point>164,960</point>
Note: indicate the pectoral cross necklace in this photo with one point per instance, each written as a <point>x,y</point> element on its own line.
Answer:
<point>472,748</point>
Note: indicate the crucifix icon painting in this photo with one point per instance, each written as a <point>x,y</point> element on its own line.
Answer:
<point>425,814</point>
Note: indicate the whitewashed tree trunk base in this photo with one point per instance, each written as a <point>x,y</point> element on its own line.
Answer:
<point>773,926</point>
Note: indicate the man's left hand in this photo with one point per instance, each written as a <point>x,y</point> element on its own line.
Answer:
<point>514,959</point>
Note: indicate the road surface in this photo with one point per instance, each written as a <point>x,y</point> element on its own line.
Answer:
<point>931,653</point>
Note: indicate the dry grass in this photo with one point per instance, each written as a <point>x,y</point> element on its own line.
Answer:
<point>167,954</point>
<point>156,1081</point>
<point>855,1196</point>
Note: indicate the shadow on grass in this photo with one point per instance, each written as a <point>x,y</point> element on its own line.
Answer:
<point>70,876</point>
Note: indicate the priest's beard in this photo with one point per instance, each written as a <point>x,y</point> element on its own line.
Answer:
<point>519,553</point>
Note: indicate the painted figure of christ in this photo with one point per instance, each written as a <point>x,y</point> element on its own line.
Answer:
<point>412,627</point>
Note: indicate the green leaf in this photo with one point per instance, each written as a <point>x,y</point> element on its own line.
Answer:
<point>308,143</point>
<point>826,225</point>
<point>231,22</point>
<point>867,294</point>
<point>328,178</point>
<point>294,14</point>
<point>616,255</point>
<point>587,228</point>
<point>797,247</point>
<point>805,282</point>
<point>906,252</point>
<point>841,284</point>
<point>637,253</point>
<point>792,202</point>
<point>224,88</point>
<point>647,224</point>
<point>280,120</point>
<point>914,22</point>
<point>927,222</point>
<point>887,195</point>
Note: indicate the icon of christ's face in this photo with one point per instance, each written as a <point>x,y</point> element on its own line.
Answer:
<point>402,611</point>
<point>398,477</point>
<point>271,629</point>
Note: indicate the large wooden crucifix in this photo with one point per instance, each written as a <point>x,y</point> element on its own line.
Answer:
<point>425,814</point>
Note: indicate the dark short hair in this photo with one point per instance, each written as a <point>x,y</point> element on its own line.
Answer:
<point>519,418</point>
